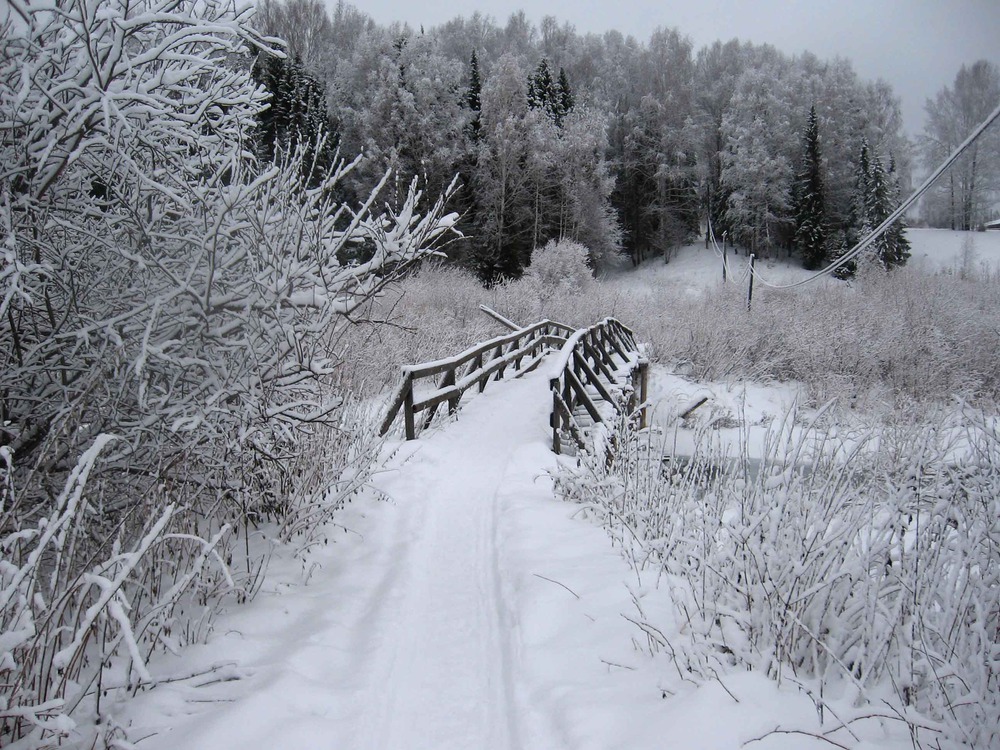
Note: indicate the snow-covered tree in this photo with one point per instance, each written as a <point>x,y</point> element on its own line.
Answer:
<point>541,87</point>
<point>756,169</point>
<point>474,97</point>
<point>969,189</point>
<point>809,200</point>
<point>551,94</point>
<point>876,197</point>
<point>400,102</point>
<point>502,181</point>
<point>303,26</point>
<point>566,99</point>
<point>897,245</point>
<point>296,115</point>
<point>891,248</point>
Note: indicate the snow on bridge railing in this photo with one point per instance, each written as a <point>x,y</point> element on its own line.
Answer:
<point>522,350</point>
<point>603,363</point>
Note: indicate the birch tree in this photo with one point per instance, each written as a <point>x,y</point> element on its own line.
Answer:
<point>967,192</point>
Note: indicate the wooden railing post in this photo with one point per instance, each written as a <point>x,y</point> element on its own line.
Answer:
<point>408,422</point>
<point>447,381</point>
<point>556,418</point>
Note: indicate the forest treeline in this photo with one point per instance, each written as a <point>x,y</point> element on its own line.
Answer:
<point>620,144</point>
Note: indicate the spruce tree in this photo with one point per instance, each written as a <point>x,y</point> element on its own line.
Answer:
<point>891,247</point>
<point>876,196</point>
<point>897,246</point>
<point>848,269</point>
<point>297,115</point>
<point>565,94</point>
<point>877,207</point>
<point>859,222</point>
<point>809,200</point>
<point>541,87</point>
<point>473,98</point>
<point>553,95</point>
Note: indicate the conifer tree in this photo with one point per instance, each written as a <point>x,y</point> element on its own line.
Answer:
<point>297,115</point>
<point>541,87</point>
<point>473,98</point>
<point>848,269</point>
<point>876,196</point>
<point>566,100</point>
<point>552,95</point>
<point>877,206</point>
<point>898,247</point>
<point>860,223</point>
<point>810,202</point>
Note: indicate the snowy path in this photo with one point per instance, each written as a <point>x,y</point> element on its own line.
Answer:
<point>436,642</point>
<point>472,610</point>
<point>462,620</point>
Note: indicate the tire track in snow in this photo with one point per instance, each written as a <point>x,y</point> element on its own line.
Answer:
<point>436,639</point>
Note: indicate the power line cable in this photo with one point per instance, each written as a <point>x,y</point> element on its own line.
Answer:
<point>725,257</point>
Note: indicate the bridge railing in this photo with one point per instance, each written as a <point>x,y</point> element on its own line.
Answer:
<point>600,373</point>
<point>522,350</point>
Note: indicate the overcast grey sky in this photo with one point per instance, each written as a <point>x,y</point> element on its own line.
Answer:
<point>916,45</point>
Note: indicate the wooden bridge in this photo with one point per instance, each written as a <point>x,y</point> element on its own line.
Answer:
<point>598,375</point>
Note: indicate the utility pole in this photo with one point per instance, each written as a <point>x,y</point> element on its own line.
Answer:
<point>750,290</point>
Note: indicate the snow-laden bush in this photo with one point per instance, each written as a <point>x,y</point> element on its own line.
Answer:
<point>561,266</point>
<point>434,312</point>
<point>886,340</point>
<point>864,569</point>
<point>174,305</point>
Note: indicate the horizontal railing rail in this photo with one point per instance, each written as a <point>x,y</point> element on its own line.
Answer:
<point>521,350</point>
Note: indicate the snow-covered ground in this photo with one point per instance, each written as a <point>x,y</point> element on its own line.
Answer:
<point>938,249</point>
<point>694,267</point>
<point>466,607</point>
<point>469,609</point>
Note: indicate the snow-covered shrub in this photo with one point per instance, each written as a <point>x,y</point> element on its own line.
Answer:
<point>562,265</point>
<point>79,621</point>
<point>863,569</point>
<point>159,285</point>
<point>886,339</point>
<point>434,311</point>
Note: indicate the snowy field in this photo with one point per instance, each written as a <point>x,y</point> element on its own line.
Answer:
<point>693,267</point>
<point>461,605</point>
<point>737,409</point>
